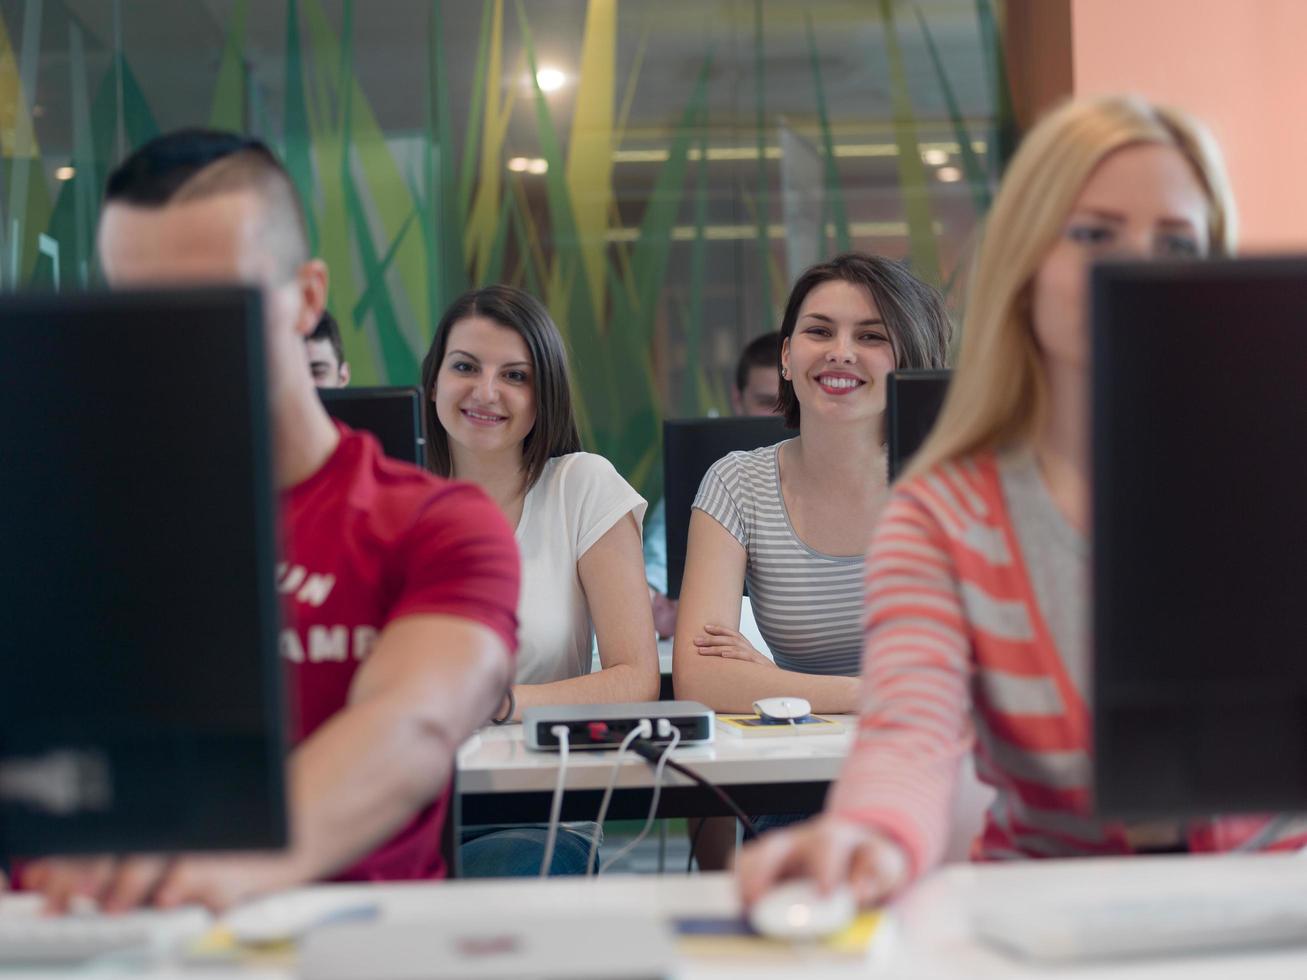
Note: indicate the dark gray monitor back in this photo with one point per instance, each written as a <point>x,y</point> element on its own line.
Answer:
<point>1200,537</point>
<point>912,403</point>
<point>393,415</point>
<point>140,687</point>
<point>690,447</point>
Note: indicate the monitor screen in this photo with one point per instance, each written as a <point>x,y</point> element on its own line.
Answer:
<point>912,402</point>
<point>140,693</point>
<point>690,447</point>
<point>1200,537</point>
<point>393,415</point>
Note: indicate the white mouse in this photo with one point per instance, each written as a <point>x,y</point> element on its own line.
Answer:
<point>795,911</point>
<point>782,709</point>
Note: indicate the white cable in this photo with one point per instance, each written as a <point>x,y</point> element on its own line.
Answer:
<point>642,730</point>
<point>562,733</point>
<point>653,806</point>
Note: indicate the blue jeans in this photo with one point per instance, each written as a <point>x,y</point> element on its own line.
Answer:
<point>516,852</point>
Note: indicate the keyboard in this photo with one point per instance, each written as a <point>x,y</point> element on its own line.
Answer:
<point>30,939</point>
<point>1174,924</point>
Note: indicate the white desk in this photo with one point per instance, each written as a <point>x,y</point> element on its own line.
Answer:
<point>499,780</point>
<point>926,934</point>
<point>932,937</point>
<point>496,761</point>
<point>664,657</point>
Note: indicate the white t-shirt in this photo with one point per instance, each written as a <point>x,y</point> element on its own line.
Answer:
<point>577,499</point>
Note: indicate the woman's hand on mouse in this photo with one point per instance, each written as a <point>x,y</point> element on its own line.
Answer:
<point>729,644</point>
<point>829,850</point>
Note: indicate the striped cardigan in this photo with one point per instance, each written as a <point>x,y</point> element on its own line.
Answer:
<point>958,656</point>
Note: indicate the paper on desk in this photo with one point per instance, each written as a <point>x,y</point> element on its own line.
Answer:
<point>751,726</point>
<point>218,947</point>
<point>268,932</point>
<point>732,937</point>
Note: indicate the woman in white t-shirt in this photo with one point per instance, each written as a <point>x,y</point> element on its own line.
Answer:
<point>499,413</point>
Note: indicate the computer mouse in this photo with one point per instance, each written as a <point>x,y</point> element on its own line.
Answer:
<point>782,709</point>
<point>795,911</point>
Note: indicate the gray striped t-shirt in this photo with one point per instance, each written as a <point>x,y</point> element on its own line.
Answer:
<point>809,606</point>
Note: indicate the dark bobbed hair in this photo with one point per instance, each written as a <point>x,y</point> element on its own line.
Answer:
<point>554,432</point>
<point>763,352</point>
<point>913,311</point>
<point>190,164</point>
<point>329,330</point>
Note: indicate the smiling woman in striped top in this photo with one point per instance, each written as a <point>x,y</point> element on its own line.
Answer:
<point>977,592</point>
<point>792,519</point>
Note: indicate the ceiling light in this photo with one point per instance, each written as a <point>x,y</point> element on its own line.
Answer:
<point>935,157</point>
<point>537,166</point>
<point>65,173</point>
<point>550,79</point>
<point>949,175</point>
<point>519,165</point>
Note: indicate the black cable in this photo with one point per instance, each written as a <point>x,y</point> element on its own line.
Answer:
<point>694,844</point>
<point>652,752</point>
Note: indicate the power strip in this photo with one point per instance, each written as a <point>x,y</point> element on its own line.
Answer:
<point>602,726</point>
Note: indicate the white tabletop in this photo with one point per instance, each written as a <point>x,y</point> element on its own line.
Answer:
<point>496,760</point>
<point>926,934</point>
<point>932,936</point>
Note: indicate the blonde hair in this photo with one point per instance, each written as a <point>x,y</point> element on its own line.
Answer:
<point>997,395</point>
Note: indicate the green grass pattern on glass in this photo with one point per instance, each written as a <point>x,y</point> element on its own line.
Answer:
<point>833,199</point>
<point>913,183</point>
<point>977,178</point>
<point>405,230</point>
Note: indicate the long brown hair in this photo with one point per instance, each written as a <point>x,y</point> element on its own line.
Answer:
<point>913,312</point>
<point>554,432</point>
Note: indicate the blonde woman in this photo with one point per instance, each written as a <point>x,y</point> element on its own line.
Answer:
<point>977,632</point>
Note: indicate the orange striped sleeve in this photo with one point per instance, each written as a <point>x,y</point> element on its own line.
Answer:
<point>915,723</point>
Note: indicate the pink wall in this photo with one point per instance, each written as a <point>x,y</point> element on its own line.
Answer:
<point>1237,64</point>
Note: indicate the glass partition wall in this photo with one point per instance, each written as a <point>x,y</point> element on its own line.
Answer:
<point>657,171</point>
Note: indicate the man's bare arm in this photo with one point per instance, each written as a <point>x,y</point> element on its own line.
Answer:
<point>428,684</point>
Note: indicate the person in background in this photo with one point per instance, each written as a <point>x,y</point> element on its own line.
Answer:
<point>499,413</point>
<point>326,354</point>
<point>788,518</point>
<point>756,391</point>
<point>784,518</point>
<point>426,603</point>
<point>977,576</point>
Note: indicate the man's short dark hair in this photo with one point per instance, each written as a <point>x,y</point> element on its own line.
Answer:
<point>760,352</point>
<point>913,311</point>
<point>329,329</point>
<point>190,164</point>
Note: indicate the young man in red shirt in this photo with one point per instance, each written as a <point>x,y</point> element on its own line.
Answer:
<point>400,588</point>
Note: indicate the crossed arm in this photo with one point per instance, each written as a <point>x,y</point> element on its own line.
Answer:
<point>711,661</point>
<point>429,682</point>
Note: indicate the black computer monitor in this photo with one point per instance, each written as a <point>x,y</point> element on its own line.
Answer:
<point>1200,537</point>
<point>912,403</point>
<point>393,415</point>
<point>690,447</point>
<point>141,687</point>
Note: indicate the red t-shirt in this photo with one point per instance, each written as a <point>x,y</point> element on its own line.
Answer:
<point>368,540</point>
